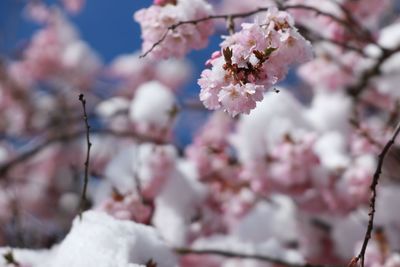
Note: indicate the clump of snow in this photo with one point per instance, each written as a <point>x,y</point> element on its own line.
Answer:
<point>176,205</point>
<point>276,115</point>
<point>331,147</point>
<point>112,106</point>
<point>99,240</point>
<point>330,112</point>
<point>26,257</point>
<point>153,107</point>
<point>268,219</point>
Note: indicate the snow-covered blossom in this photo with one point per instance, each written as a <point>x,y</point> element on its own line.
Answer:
<point>126,207</point>
<point>251,62</point>
<point>178,203</point>
<point>304,151</point>
<point>208,150</point>
<point>146,167</point>
<point>155,165</point>
<point>153,109</point>
<point>387,83</point>
<point>177,42</point>
<point>100,240</point>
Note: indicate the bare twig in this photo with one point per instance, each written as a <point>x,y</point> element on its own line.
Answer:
<point>373,187</point>
<point>234,16</point>
<point>89,145</point>
<point>230,254</point>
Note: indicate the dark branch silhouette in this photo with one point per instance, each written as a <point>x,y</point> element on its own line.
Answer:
<point>64,137</point>
<point>231,17</point>
<point>230,254</point>
<point>373,187</point>
<point>356,89</point>
<point>89,145</point>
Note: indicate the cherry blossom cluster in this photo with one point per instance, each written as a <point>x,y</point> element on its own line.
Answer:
<point>56,54</point>
<point>251,61</point>
<point>178,41</point>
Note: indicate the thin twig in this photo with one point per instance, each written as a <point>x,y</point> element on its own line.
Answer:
<point>373,187</point>
<point>89,145</point>
<point>243,15</point>
<point>231,254</point>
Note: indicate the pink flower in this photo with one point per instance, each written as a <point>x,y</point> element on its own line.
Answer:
<point>126,207</point>
<point>240,98</point>
<point>209,148</point>
<point>56,53</point>
<point>251,61</point>
<point>156,19</point>
<point>294,165</point>
<point>74,6</point>
<point>211,82</point>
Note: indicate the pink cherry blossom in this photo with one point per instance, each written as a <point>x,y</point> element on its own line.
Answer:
<point>252,61</point>
<point>126,207</point>
<point>74,6</point>
<point>209,149</point>
<point>56,53</point>
<point>156,19</point>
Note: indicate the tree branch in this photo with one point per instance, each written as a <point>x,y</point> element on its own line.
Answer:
<point>26,155</point>
<point>373,187</point>
<point>89,145</point>
<point>356,89</point>
<point>233,16</point>
<point>229,254</point>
